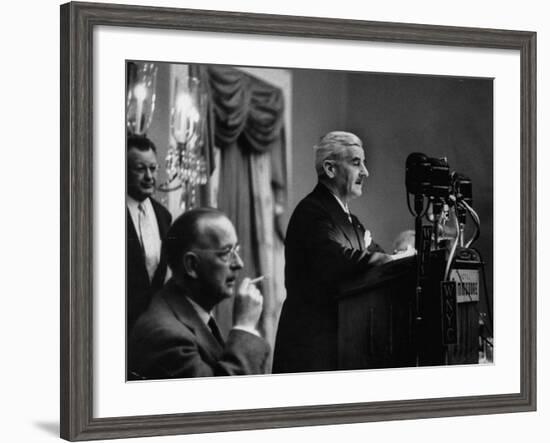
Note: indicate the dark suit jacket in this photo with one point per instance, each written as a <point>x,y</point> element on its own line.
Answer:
<point>171,341</point>
<point>139,289</point>
<point>322,247</point>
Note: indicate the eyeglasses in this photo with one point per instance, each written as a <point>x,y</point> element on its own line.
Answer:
<point>142,169</point>
<point>226,254</point>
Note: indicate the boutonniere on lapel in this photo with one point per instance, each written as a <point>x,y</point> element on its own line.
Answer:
<point>367,237</point>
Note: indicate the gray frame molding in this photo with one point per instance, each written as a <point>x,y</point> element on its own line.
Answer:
<point>77,24</point>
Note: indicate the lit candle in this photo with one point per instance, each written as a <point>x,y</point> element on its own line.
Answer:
<point>140,92</point>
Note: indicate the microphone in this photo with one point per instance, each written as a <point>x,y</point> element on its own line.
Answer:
<point>417,171</point>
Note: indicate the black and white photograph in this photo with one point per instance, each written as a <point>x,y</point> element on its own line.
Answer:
<point>285,221</point>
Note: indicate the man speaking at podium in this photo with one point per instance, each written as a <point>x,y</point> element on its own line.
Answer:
<point>324,244</point>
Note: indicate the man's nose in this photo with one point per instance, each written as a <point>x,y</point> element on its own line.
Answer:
<point>237,262</point>
<point>148,173</point>
<point>364,170</point>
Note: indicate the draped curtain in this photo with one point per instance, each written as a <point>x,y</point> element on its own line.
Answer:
<point>247,120</point>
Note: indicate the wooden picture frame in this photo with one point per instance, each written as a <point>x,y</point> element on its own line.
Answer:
<point>78,21</point>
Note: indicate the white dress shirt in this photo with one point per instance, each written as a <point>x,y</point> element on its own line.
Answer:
<point>148,234</point>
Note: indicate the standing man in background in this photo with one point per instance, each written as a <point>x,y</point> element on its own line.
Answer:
<point>324,244</point>
<point>147,223</point>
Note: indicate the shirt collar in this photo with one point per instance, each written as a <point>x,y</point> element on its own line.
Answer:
<point>202,313</point>
<point>132,203</point>
<point>341,203</point>
<point>344,207</point>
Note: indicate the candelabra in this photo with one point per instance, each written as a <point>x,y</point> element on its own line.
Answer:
<point>140,101</point>
<point>185,161</point>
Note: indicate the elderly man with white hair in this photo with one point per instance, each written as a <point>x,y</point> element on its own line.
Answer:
<point>325,243</point>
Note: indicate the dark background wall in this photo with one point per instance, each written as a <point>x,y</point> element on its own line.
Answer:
<point>395,115</point>
<point>319,101</point>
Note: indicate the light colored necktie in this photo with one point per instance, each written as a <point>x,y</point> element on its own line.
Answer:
<point>147,237</point>
<point>349,215</point>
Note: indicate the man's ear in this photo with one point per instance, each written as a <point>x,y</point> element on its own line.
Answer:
<point>328,167</point>
<point>190,263</point>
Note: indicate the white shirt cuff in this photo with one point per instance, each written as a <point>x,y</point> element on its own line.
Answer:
<point>253,331</point>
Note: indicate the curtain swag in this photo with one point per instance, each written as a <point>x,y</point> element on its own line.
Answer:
<point>245,109</point>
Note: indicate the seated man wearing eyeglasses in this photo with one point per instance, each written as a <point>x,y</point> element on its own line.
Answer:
<point>147,223</point>
<point>177,336</point>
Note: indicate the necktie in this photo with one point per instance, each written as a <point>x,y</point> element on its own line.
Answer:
<point>346,209</point>
<point>355,225</point>
<point>215,330</point>
<point>147,238</point>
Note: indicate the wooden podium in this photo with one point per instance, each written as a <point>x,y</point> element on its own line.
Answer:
<point>378,326</point>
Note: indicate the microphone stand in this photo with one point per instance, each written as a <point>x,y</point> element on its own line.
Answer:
<point>420,263</point>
